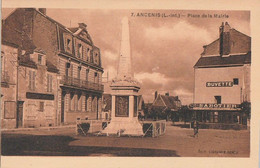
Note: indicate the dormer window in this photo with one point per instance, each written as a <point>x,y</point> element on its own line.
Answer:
<point>80,51</point>
<point>68,45</point>
<point>87,54</point>
<point>96,58</point>
<point>40,59</point>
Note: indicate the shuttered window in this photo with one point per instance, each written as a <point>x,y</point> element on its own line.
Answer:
<point>49,83</point>
<point>32,76</point>
<point>41,106</point>
<point>9,109</point>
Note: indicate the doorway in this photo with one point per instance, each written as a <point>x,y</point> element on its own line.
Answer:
<point>62,106</point>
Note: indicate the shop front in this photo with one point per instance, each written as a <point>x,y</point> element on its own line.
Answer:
<point>220,116</point>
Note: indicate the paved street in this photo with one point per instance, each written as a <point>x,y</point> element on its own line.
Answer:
<point>176,142</point>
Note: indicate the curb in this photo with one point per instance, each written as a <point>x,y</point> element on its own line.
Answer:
<point>35,129</point>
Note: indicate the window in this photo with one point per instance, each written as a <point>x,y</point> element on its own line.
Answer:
<point>49,83</point>
<point>79,69</point>
<point>40,61</point>
<point>9,109</point>
<point>87,54</point>
<point>96,58</point>
<point>86,103</point>
<point>96,77</point>
<point>91,56</point>
<point>87,73</point>
<point>32,80</point>
<point>80,51</point>
<point>41,106</point>
<point>71,103</point>
<point>68,45</point>
<point>79,102</point>
<point>67,69</point>
<point>235,81</point>
<point>218,99</point>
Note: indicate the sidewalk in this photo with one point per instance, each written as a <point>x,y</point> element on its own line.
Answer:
<point>39,128</point>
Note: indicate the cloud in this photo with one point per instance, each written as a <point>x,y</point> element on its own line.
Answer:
<point>155,77</point>
<point>110,55</point>
<point>181,30</point>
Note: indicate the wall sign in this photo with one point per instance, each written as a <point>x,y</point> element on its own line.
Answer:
<point>214,106</point>
<point>219,84</point>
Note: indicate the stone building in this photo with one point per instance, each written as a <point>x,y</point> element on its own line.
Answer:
<point>71,51</point>
<point>165,105</point>
<point>222,78</point>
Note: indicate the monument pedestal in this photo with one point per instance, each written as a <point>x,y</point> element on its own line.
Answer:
<point>124,126</point>
<point>124,115</point>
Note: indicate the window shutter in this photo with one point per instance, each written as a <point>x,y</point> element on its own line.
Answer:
<point>71,70</point>
<point>47,82</point>
<point>50,83</point>
<point>30,79</point>
<point>34,80</point>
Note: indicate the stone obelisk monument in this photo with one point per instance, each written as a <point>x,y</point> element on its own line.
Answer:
<point>124,115</point>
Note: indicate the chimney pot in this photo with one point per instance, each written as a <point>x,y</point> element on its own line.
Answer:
<point>42,10</point>
<point>155,95</point>
<point>82,25</point>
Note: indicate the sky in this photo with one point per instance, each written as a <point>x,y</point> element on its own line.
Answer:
<point>164,49</point>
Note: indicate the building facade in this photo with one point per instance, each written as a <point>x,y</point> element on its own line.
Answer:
<point>71,51</point>
<point>9,55</point>
<point>222,78</point>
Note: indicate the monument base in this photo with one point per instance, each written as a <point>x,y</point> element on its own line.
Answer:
<point>124,126</point>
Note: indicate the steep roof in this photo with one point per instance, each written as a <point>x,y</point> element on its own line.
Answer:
<point>217,61</point>
<point>232,48</point>
<point>166,101</point>
<point>25,60</point>
<point>51,67</point>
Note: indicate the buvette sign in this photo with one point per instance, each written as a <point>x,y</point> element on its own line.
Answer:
<point>219,84</point>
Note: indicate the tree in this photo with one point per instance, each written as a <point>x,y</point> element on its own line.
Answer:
<point>246,108</point>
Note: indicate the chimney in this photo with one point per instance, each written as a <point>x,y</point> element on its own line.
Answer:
<point>167,94</point>
<point>224,39</point>
<point>155,95</point>
<point>42,10</point>
<point>82,25</point>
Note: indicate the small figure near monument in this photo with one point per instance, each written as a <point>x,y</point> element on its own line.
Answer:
<point>196,128</point>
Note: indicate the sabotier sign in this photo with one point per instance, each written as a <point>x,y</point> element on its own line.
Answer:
<point>214,105</point>
<point>219,84</point>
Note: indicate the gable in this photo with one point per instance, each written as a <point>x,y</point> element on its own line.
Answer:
<point>159,101</point>
<point>83,34</point>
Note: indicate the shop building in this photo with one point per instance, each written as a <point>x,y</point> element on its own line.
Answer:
<point>29,88</point>
<point>222,78</point>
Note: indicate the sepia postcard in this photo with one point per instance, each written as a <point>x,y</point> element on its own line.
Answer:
<point>123,85</point>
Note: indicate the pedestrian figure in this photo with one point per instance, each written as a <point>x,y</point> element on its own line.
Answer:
<point>196,128</point>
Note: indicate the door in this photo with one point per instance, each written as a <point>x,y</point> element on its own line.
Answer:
<point>62,106</point>
<point>19,121</point>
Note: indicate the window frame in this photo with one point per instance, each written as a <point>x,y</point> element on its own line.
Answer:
<point>41,106</point>
<point>235,81</point>
<point>5,110</point>
<point>218,99</point>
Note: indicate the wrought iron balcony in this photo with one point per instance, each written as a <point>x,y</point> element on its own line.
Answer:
<point>71,81</point>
